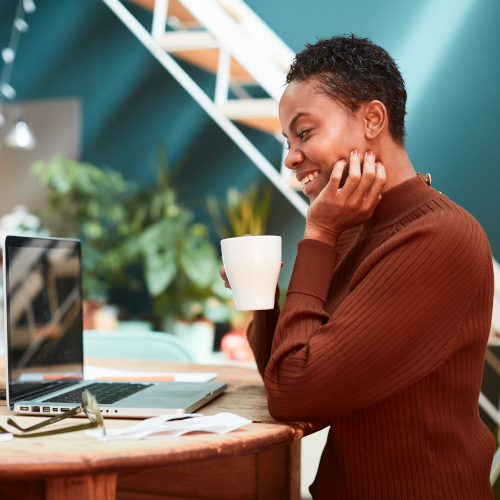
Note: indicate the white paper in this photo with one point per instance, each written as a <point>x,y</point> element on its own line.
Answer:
<point>163,426</point>
<point>6,436</point>
<point>91,372</point>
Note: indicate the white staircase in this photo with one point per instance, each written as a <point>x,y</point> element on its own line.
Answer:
<point>228,39</point>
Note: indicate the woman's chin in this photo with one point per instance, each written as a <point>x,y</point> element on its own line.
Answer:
<point>312,197</point>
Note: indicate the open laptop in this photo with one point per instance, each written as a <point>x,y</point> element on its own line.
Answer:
<point>44,335</point>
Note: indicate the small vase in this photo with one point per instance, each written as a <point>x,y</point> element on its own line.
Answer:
<point>198,337</point>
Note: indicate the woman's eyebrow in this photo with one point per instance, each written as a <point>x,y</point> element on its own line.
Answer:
<point>294,119</point>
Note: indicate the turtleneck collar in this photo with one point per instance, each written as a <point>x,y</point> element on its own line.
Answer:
<point>398,202</point>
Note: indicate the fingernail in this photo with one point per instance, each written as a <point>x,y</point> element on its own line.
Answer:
<point>342,159</point>
<point>370,153</point>
<point>355,152</point>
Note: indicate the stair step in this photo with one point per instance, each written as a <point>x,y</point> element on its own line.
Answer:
<point>201,49</point>
<point>261,114</point>
<point>175,9</point>
<point>175,41</point>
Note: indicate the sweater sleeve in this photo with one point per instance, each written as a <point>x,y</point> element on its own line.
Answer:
<point>260,333</point>
<point>397,324</point>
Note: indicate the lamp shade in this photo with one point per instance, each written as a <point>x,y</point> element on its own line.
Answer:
<point>20,136</point>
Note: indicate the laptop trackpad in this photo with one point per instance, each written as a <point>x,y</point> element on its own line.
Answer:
<point>158,395</point>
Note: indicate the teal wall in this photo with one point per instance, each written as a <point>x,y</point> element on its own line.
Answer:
<point>448,52</point>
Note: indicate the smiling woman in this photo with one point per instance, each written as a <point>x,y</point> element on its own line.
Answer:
<point>378,335</point>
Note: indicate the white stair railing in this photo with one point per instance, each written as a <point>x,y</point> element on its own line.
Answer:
<point>245,47</point>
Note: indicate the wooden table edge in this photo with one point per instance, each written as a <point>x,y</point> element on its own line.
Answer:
<point>27,467</point>
<point>64,465</point>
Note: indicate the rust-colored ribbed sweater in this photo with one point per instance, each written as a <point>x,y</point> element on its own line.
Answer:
<point>384,338</point>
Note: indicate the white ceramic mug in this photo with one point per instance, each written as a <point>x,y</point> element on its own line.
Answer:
<point>252,265</point>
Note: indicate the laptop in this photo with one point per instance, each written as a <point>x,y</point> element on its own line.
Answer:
<point>44,336</point>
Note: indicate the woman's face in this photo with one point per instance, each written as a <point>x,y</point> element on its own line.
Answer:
<point>319,132</point>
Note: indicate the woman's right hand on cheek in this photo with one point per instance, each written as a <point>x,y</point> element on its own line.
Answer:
<point>336,210</point>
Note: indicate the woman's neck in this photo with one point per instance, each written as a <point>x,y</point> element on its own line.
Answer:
<point>397,164</point>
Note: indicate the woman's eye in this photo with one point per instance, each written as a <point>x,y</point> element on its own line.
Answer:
<point>302,134</point>
<point>287,146</point>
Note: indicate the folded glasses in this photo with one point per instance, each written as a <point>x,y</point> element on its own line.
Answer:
<point>89,405</point>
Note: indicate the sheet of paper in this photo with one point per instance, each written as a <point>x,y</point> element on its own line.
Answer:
<point>6,436</point>
<point>170,426</point>
<point>91,372</point>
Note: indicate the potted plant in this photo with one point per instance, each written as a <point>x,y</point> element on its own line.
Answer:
<point>120,226</point>
<point>179,262</point>
<point>85,201</point>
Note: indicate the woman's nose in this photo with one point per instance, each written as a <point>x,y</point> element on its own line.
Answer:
<point>293,159</point>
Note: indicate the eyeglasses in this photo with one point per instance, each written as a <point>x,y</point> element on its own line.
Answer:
<point>89,405</point>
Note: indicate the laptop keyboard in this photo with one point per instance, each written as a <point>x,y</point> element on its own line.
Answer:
<point>106,394</point>
<point>33,390</point>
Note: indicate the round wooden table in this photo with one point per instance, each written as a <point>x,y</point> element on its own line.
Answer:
<point>260,460</point>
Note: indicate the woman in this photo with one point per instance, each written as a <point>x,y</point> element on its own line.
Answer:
<point>386,320</point>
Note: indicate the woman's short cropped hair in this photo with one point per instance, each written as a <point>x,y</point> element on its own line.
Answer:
<point>354,71</point>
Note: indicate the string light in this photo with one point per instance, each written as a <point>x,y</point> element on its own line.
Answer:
<point>21,25</point>
<point>20,136</point>
<point>9,55</point>
<point>29,6</point>
<point>8,91</point>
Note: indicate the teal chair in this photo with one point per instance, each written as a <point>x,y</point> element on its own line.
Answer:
<point>139,345</point>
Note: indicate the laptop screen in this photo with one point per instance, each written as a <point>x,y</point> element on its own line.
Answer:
<point>43,312</point>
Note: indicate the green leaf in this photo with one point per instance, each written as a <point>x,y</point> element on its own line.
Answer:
<point>163,175</point>
<point>161,234</point>
<point>93,230</point>
<point>216,311</point>
<point>199,260</point>
<point>244,212</point>
<point>161,269</point>
<point>218,288</point>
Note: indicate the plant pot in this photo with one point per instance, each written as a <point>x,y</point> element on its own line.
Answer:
<point>235,346</point>
<point>89,309</point>
<point>198,337</point>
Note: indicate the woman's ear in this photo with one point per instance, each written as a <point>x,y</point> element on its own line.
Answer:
<point>376,119</point>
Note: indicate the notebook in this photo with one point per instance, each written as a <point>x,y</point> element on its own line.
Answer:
<point>44,336</point>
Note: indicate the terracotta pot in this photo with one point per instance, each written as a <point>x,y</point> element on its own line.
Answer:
<point>236,347</point>
<point>89,309</point>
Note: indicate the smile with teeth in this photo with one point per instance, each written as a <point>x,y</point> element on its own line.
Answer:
<point>309,178</point>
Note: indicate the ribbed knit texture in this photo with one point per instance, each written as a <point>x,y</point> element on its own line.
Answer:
<point>384,337</point>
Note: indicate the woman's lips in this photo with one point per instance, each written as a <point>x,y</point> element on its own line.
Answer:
<point>309,187</point>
